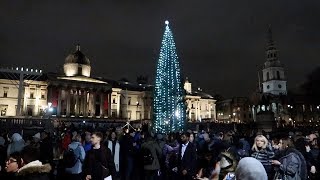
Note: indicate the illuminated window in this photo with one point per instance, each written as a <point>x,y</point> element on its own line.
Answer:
<point>129,100</point>
<point>32,93</point>
<point>5,91</point>
<point>43,94</point>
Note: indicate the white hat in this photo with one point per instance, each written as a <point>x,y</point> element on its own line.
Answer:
<point>36,136</point>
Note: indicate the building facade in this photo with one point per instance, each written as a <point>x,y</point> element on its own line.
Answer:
<point>34,95</point>
<point>200,105</point>
<point>234,110</point>
<point>74,93</point>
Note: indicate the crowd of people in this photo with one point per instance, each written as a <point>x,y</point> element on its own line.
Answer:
<point>127,154</point>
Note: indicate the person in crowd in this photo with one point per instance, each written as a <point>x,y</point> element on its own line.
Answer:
<point>13,164</point>
<point>87,143</point>
<point>46,148</point>
<point>75,172</point>
<point>291,165</point>
<point>3,154</point>
<point>250,169</point>
<point>263,152</point>
<point>32,168</point>
<point>16,145</point>
<point>114,146</point>
<point>151,166</point>
<point>227,162</point>
<point>36,140</point>
<point>187,158</point>
<point>170,153</point>
<point>205,167</point>
<point>98,163</point>
<point>66,140</point>
<point>192,138</point>
<point>128,153</point>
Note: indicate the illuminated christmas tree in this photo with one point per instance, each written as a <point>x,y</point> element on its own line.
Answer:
<point>169,112</point>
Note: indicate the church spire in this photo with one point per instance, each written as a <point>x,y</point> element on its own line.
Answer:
<point>271,50</point>
<point>269,35</point>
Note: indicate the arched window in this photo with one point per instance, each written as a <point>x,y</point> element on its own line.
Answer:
<point>268,76</point>
<point>278,75</point>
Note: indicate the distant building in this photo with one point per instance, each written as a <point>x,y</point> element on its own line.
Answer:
<point>75,93</point>
<point>200,105</point>
<point>236,110</point>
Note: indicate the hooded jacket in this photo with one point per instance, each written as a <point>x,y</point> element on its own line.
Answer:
<point>34,170</point>
<point>16,145</point>
<point>250,168</point>
<point>79,154</point>
<point>155,151</point>
<point>293,166</point>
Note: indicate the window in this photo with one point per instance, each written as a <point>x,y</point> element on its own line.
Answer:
<point>43,92</point>
<point>280,86</point>
<point>192,106</point>
<point>32,93</point>
<point>114,100</point>
<point>268,76</point>
<point>278,75</point>
<point>5,91</point>
<point>129,100</point>
<point>268,87</point>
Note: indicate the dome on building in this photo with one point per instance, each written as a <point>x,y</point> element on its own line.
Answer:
<point>77,57</point>
<point>77,64</point>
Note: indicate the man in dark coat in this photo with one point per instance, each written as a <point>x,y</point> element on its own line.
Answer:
<point>46,148</point>
<point>32,168</point>
<point>98,163</point>
<point>187,158</point>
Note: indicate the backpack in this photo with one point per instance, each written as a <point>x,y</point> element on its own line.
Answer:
<point>147,156</point>
<point>69,158</point>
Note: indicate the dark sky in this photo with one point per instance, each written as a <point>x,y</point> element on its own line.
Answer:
<point>220,42</point>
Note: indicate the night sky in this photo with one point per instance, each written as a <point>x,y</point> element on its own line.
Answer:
<point>220,42</point>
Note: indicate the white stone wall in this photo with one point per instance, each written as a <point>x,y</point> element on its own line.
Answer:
<point>200,109</point>
<point>132,105</point>
<point>11,101</point>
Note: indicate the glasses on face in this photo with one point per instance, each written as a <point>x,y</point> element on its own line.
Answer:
<point>9,161</point>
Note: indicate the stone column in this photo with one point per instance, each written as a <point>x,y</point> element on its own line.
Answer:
<point>109,105</point>
<point>101,104</point>
<point>118,100</point>
<point>93,103</point>
<point>59,103</point>
<point>86,100</point>
<point>77,103</point>
<point>68,101</point>
<point>85,103</point>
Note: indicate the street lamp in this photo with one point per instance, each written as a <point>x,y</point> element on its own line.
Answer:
<point>234,117</point>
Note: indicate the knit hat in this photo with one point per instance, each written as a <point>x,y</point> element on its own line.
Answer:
<point>16,137</point>
<point>250,168</point>
<point>36,136</point>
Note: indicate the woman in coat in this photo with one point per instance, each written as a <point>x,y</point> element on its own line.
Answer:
<point>291,165</point>
<point>262,151</point>
<point>114,146</point>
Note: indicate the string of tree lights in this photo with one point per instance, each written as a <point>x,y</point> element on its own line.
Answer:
<point>169,107</point>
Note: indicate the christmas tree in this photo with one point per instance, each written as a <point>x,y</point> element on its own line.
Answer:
<point>168,104</point>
